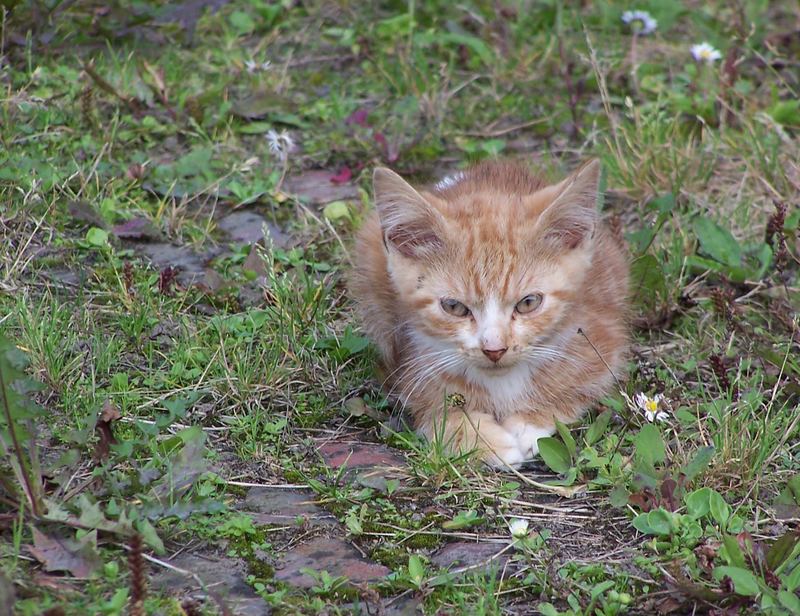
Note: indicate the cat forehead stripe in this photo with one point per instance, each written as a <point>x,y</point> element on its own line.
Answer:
<point>449,181</point>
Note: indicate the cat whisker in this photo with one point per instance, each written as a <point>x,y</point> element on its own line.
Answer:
<point>426,376</point>
<point>538,352</point>
<point>413,364</point>
<point>416,366</point>
<point>417,359</point>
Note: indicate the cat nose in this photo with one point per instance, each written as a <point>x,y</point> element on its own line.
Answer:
<point>495,354</point>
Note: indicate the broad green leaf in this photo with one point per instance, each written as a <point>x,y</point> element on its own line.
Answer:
<point>353,343</point>
<point>336,210</point>
<point>242,22</point>
<point>619,497</point>
<point>783,547</point>
<point>663,204</point>
<point>720,510</point>
<point>641,524</point>
<point>493,147</point>
<point>555,454</point>
<point>563,432</point>
<point>717,242</point>
<point>547,609</point>
<point>697,503</point>
<point>353,524</point>
<point>699,463</point>
<point>649,444</point>
<point>463,519</point>
<point>744,582</point>
<point>793,487</point>
<point>790,601</point>
<point>598,428</point>
<point>786,112</point>
<point>475,44</point>
<point>255,128</point>
<point>792,581</point>
<point>764,257</point>
<point>660,521</point>
<point>567,480</point>
<point>195,162</point>
<point>735,556</point>
<point>150,535</point>
<point>97,237</point>
<point>416,569</point>
<point>600,588</point>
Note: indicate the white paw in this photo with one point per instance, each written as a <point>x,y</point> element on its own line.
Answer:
<point>527,435</point>
<point>505,457</point>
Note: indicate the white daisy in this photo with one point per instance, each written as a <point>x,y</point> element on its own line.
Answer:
<point>518,528</point>
<point>650,407</point>
<point>704,52</point>
<point>641,22</point>
<point>280,143</point>
<point>252,66</point>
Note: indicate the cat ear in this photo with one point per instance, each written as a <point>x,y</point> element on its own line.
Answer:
<point>571,218</point>
<point>410,224</point>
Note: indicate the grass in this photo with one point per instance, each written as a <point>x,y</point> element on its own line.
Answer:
<point>177,365</point>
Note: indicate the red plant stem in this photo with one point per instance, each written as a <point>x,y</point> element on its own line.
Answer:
<point>32,497</point>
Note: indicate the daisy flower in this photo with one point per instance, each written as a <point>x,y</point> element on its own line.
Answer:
<point>518,528</point>
<point>704,52</point>
<point>252,66</point>
<point>650,407</point>
<point>280,143</point>
<point>641,22</point>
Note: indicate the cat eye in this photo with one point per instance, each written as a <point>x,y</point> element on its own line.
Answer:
<point>454,307</point>
<point>529,303</point>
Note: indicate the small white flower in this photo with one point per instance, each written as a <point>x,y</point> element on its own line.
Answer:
<point>518,528</point>
<point>252,66</point>
<point>704,52</point>
<point>641,22</point>
<point>650,407</point>
<point>280,143</point>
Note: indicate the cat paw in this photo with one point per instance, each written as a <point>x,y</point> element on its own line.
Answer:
<point>527,435</point>
<point>505,457</point>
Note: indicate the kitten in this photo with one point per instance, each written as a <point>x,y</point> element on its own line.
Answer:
<point>474,291</point>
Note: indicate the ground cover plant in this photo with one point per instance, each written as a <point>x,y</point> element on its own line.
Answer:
<point>190,420</point>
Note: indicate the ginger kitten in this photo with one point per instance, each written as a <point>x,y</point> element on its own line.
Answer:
<point>474,291</point>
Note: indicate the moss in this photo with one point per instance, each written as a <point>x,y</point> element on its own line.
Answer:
<point>239,491</point>
<point>245,548</point>
<point>259,569</point>
<point>424,541</point>
<point>390,555</point>
<point>293,476</point>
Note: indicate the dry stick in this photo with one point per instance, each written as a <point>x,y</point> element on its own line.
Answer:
<point>604,97</point>
<point>774,395</point>
<point>503,131</point>
<point>619,386</point>
<point>107,87</point>
<point>288,486</point>
<point>600,357</point>
<point>483,563</point>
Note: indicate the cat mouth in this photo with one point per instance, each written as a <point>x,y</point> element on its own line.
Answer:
<point>495,368</point>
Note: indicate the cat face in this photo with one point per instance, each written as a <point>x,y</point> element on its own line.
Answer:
<point>486,274</point>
